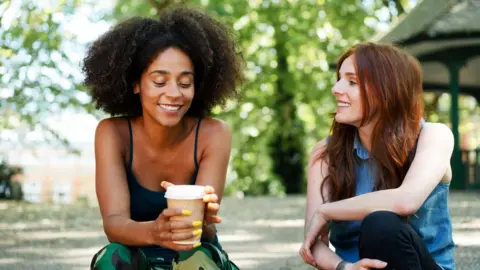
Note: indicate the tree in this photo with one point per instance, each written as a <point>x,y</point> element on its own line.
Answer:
<point>285,104</point>
<point>37,76</point>
<point>9,189</point>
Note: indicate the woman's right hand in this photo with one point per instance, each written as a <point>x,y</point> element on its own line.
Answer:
<point>366,264</point>
<point>163,235</point>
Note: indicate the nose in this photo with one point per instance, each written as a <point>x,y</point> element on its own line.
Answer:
<point>337,88</point>
<point>173,91</point>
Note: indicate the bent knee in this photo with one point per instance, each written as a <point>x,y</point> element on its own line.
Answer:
<point>115,256</point>
<point>381,225</point>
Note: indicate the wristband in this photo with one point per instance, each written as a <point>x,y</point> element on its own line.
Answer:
<point>341,265</point>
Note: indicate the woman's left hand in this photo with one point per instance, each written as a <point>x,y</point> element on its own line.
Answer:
<point>211,207</point>
<point>312,231</point>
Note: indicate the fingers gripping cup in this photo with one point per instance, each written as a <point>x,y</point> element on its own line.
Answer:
<point>187,197</point>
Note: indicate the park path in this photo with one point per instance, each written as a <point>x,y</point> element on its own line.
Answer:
<point>258,233</point>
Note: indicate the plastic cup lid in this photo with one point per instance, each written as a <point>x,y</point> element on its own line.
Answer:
<point>185,192</point>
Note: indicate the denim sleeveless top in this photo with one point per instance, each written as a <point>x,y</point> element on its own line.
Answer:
<point>431,222</point>
<point>146,205</point>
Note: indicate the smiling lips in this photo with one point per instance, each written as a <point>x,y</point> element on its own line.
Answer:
<point>343,104</point>
<point>170,107</point>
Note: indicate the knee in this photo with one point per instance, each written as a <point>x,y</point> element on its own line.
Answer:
<point>112,256</point>
<point>380,226</point>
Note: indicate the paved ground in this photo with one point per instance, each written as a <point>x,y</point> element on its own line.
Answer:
<point>258,233</point>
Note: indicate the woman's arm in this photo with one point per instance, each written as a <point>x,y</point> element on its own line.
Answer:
<point>431,163</point>
<point>112,190</point>
<point>114,199</point>
<point>213,165</point>
<point>324,257</point>
<point>316,173</point>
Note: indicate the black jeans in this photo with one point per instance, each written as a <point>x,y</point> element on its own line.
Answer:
<point>386,236</point>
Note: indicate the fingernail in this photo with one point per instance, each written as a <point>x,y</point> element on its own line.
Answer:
<point>197,244</point>
<point>197,223</point>
<point>197,232</point>
<point>186,212</point>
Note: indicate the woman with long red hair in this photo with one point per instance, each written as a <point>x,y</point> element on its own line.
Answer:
<point>378,185</point>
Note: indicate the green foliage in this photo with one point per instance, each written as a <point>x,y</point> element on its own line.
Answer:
<point>7,171</point>
<point>288,46</point>
<point>36,73</point>
<point>285,104</point>
<point>8,188</point>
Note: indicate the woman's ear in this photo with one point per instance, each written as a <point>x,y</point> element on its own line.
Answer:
<point>136,88</point>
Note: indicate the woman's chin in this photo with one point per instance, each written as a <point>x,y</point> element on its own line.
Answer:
<point>342,119</point>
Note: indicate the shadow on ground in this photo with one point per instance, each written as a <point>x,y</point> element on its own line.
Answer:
<point>258,233</point>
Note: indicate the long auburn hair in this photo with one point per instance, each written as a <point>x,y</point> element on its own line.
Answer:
<point>390,83</point>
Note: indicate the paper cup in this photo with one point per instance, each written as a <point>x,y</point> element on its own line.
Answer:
<point>187,197</point>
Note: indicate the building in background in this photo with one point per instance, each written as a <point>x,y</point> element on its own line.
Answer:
<point>52,173</point>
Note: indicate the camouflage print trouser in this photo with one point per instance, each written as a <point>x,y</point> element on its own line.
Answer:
<point>117,256</point>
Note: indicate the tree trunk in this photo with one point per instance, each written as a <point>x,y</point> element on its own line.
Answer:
<point>286,145</point>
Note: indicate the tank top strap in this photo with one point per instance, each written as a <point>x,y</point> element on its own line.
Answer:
<point>195,146</point>
<point>130,160</point>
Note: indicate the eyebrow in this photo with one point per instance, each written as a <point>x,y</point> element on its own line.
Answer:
<point>164,72</point>
<point>350,74</point>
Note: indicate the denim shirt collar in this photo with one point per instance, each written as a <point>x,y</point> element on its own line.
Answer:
<point>359,149</point>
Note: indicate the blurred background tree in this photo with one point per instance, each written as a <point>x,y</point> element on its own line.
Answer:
<point>9,188</point>
<point>286,102</point>
<point>289,47</point>
<point>38,76</point>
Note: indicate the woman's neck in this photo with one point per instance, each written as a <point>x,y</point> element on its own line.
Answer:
<point>160,136</point>
<point>365,135</point>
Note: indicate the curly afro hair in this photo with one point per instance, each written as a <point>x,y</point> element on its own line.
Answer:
<point>116,60</point>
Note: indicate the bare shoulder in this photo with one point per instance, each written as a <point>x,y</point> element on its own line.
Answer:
<point>215,128</point>
<point>316,153</point>
<point>439,138</point>
<point>113,130</point>
<point>435,133</point>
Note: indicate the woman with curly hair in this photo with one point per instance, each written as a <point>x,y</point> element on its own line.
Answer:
<point>159,79</point>
<point>378,185</point>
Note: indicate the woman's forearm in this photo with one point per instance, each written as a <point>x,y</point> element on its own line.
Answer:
<point>357,208</point>
<point>324,257</point>
<point>125,231</point>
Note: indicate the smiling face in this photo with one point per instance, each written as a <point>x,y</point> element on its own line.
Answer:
<point>347,92</point>
<point>166,87</point>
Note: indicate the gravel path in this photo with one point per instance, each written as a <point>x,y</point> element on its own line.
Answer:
<point>258,233</point>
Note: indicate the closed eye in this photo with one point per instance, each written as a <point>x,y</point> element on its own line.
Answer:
<point>159,84</point>
<point>185,85</point>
